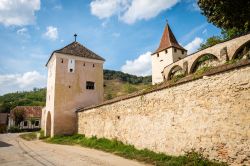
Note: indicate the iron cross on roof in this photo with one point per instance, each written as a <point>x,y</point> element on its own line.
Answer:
<point>75,35</point>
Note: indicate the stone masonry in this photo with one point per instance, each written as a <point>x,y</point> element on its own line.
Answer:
<point>211,114</point>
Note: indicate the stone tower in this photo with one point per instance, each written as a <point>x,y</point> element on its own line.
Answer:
<point>169,51</point>
<point>75,79</point>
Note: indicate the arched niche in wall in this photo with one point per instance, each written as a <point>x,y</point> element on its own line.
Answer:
<point>243,51</point>
<point>204,60</point>
<point>175,71</point>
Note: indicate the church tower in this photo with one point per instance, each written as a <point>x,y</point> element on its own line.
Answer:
<point>75,79</point>
<point>168,52</point>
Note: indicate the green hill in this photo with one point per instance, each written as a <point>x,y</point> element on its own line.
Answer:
<point>116,83</point>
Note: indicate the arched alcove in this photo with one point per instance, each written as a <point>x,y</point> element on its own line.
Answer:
<point>176,71</point>
<point>242,51</point>
<point>204,60</point>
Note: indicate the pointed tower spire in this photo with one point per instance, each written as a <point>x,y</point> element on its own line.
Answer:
<point>168,40</point>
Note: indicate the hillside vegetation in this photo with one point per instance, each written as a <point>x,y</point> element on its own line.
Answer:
<point>116,83</point>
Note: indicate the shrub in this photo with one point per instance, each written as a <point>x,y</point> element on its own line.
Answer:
<point>14,129</point>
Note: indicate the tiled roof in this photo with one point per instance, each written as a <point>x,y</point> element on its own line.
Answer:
<point>168,40</point>
<point>29,111</point>
<point>76,49</point>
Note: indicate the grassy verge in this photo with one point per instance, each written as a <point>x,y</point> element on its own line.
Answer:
<point>33,135</point>
<point>29,136</point>
<point>130,152</point>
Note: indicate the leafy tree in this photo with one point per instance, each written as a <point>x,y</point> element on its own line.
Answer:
<point>211,41</point>
<point>32,121</point>
<point>227,14</point>
<point>18,116</point>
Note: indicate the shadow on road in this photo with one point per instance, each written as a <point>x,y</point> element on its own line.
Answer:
<point>4,144</point>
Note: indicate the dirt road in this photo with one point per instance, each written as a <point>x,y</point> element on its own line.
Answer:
<point>16,151</point>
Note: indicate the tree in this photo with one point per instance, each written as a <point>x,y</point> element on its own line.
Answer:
<point>18,116</point>
<point>32,121</point>
<point>211,41</point>
<point>227,14</point>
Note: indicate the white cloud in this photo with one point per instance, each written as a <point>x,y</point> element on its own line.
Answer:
<point>140,66</point>
<point>21,82</point>
<point>194,45</point>
<point>146,9</point>
<point>195,30</point>
<point>116,34</point>
<point>130,11</point>
<point>22,31</point>
<point>58,7</point>
<point>104,8</point>
<point>18,12</point>
<point>51,33</point>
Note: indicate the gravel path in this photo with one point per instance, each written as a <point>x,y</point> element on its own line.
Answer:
<point>16,151</point>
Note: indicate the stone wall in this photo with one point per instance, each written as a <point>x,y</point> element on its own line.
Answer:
<point>211,114</point>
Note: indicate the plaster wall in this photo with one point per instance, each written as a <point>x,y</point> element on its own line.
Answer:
<point>211,114</point>
<point>165,58</point>
<point>70,90</point>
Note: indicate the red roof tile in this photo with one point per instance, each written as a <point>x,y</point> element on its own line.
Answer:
<point>168,40</point>
<point>29,111</point>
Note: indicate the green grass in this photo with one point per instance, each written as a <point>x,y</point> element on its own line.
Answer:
<point>29,136</point>
<point>130,152</point>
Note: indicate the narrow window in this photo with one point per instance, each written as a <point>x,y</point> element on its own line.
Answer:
<point>182,52</point>
<point>25,123</point>
<point>83,64</point>
<point>71,65</point>
<point>157,54</point>
<point>61,60</point>
<point>90,85</point>
<point>69,86</point>
<point>166,51</point>
<point>175,50</point>
<point>37,123</point>
<point>93,65</point>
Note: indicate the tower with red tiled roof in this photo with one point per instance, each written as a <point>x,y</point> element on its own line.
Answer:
<point>168,52</point>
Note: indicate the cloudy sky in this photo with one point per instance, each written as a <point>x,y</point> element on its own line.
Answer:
<point>124,32</point>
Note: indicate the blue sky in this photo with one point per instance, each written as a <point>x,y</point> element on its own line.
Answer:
<point>124,32</point>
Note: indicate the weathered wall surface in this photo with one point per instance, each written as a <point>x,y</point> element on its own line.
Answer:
<point>212,113</point>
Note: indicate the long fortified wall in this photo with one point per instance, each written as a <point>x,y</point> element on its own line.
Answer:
<point>210,113</point>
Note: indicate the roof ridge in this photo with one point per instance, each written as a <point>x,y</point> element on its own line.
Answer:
<point>168,40</point>
<point>77,49</point>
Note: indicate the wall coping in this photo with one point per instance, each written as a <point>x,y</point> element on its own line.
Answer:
<point>169,84</point>
<point>224,41</point>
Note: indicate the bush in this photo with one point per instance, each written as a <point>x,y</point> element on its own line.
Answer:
<point>3,128</point>
<point>14,129</point>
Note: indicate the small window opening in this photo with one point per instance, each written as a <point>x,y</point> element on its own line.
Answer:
<point>90,85</point>
<point>37,123</point>
<point>166,51</point>
<point>118,117</point>
<point>25,123</point>
<point>61,60</point>
<point>83,64</point>
<point>71,70</point>
<point>93,65</point>
<point>69,86</point>
<point>182,52</point>
<point>157,54</point>
<point>175,50</point>
<point>161,60</point>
